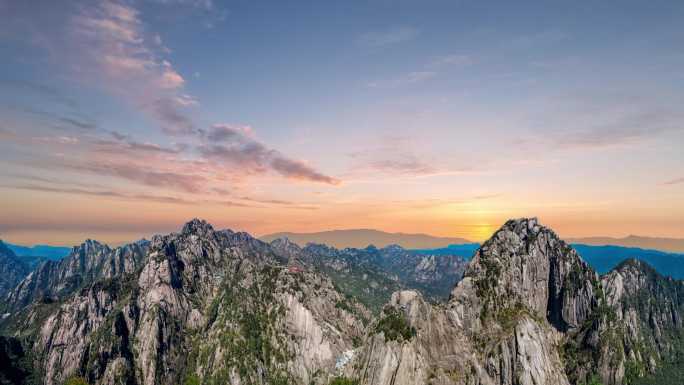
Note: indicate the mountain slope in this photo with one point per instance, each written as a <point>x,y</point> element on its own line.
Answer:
<point>203,304</point>
<point>89,262</point>
<point>12,270</point>
<point>529,310</point>
<point>372,275</point>
<point>361,238</point>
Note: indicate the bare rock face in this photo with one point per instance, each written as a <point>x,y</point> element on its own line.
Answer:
<point>52,280</point>
<point>521,292</point>
<point>216,305</point>
<point>645,324</point>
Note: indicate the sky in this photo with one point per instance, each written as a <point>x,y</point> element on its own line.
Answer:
<point>122,119</point>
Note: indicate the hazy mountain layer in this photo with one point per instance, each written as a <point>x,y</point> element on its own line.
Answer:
<point>674,245</point>
<point>54,253</point>
<point>361,238</point>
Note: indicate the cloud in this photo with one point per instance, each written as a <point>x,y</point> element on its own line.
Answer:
<point>451,61</point>
<point>59,139</point>
<point>393,156</point>
<point>111,47</point>
<point>167,112</point>
<point>51,93</point>
<point>388,37</point>
<point>296,169</point>
<point>78,123</point>
<point>127,196</point>
<point>207,5</point>
<point>628,129</point>
<point>674,181</point>
<point>148,176</point>
<point>234,146</point>
<point>123,145</point>
<point>106,45</point>
<point>403,80</point>
<point>100,193</point>
<point>429,71</point>
<point>543,38</point>
<point>405,164</point>
<point>226,132</point>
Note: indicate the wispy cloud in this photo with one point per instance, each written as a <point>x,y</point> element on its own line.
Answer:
<point>629,129</point>
<point>107,46</point>
<point>235,147</point>
<point>430,70</point>
<point>452,60</point>
<point>542,38</point>
<point>393,156</point>
<point>405,79</point>
<point>51,93</point>
<point>78,123</point>
<point>100,193</point>
<point>388,37</point>
<point>674,181</point>
<point>407,164</point>
<point>115,50</point>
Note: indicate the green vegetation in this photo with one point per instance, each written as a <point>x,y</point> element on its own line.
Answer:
<point>394,326</point>
<point>373,291</point>
<point>76,381</point>
<point>343,381</point>
<point>245,321</point>
<point>670,374</point>
<point>191,379</point>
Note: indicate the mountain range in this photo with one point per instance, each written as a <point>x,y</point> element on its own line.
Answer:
<point>360,238</point>
<point>43,251</point>
<point>674,245</point>
<point>206,306</point>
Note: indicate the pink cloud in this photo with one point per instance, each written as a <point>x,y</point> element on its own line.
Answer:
<point>115,50</point>
<point>235,147</point>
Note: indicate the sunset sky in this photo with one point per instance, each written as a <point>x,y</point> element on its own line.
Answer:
<point>121,119</point>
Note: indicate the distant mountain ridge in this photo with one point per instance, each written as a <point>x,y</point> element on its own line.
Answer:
<point>675,245</point>
<point>361,238</point>
<point>54,253</point>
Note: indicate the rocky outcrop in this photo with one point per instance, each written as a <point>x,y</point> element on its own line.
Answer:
<point>12,270</point>
<point>216,305</point>
<point>53,280</point>
<point>207,306</point>
<point>530,311</point>
<point>643,327</point>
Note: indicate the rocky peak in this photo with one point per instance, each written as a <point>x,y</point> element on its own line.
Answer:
<point>525,263</point>
<point>286,248</point>
<point>393,248</point>
<point>198,227</point>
